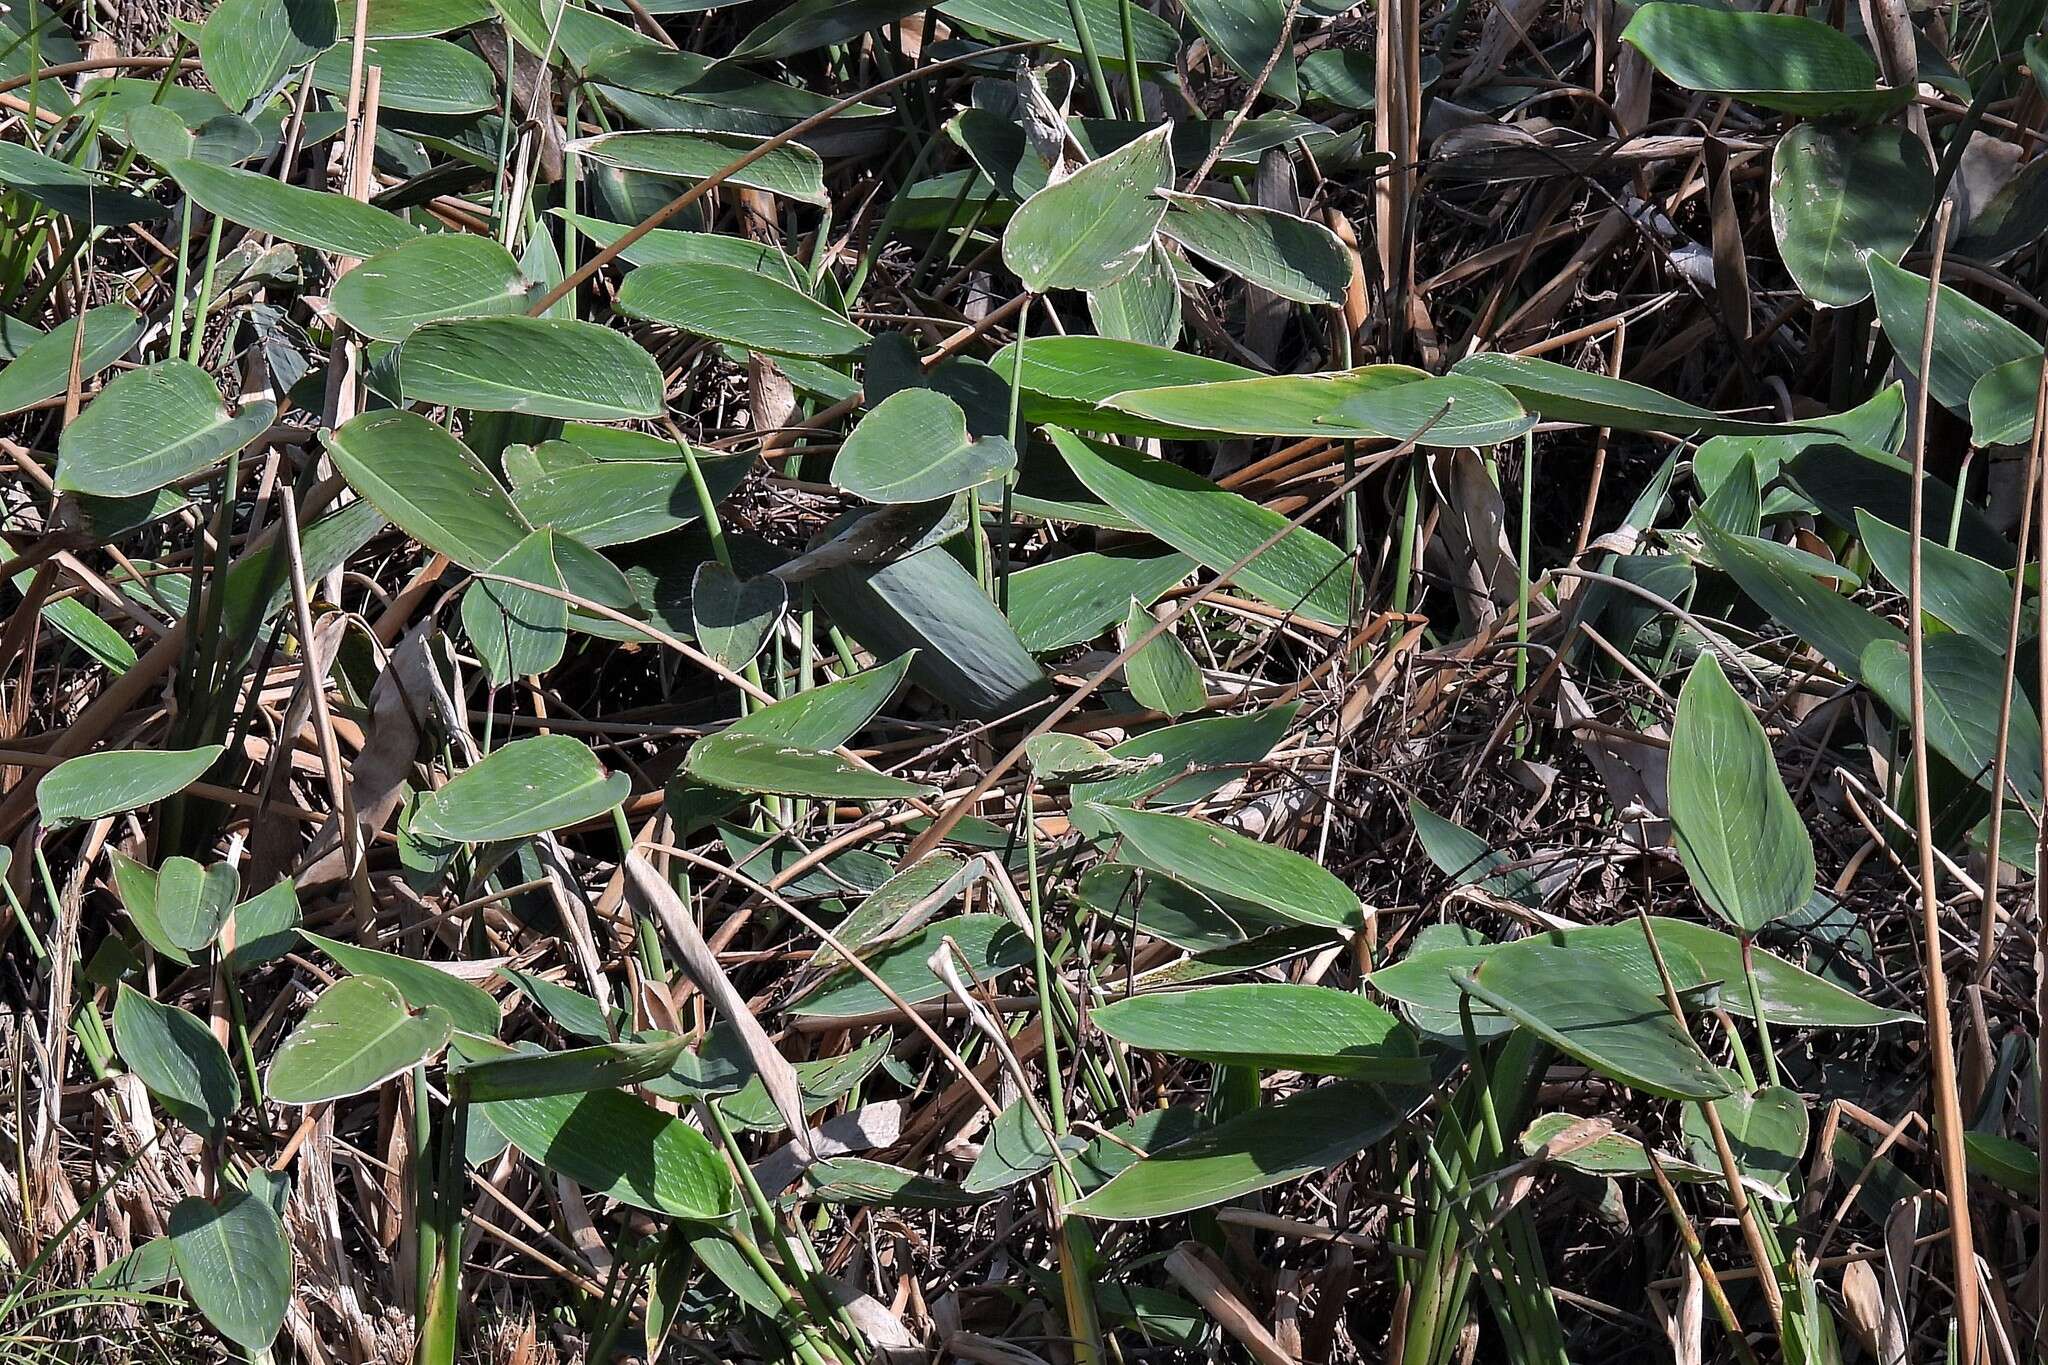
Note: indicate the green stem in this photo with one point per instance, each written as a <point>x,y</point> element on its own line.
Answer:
<point>1016,444</point>
<point>1096,80</point>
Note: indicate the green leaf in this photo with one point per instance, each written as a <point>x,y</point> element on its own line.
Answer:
<point>1158,905</point>
<point>1065,381</point>
<point>428,485</point>
<point>357,1036</point>
<point>618,502</point>
<point>1587,1006</point>
<point>792,171</point>
<point>1274,1143</point>
<point>1791,996</point>
<point>1196,758</point>
<point>543,367</point>
<point>1469,860</point>
<point>1143,306</point>
<point>193,902</point>
<point>1965,594</point>
<point>1839,629</point>
<point>176,1055</point>
<point>445,275</point>
<point>248,47</point>
<point>1738,832</point>
<point>528,787</point>
<point>102,201</point>
<point>1300,572</point>
<point>42,370</point>
<point>1225,862</point>
<point>1766,1131</point>
<point>734,617</point>
<point>1963,685</point>
<point>152,427</point>
<point>966,654</point>
<point>1278,252</point>
<point>914,447</point>
<point>757,764</point>
<point>1613,1154</point>
<point>1559,393</point>
<point>1092,228</point>
<point>885,908</point>
<point>518,632</point>
<point>266,927</point>
<point>1392,402</point>
<point>93,785</point>
<point>739,307</point>
<point>236,1264</point>
<point>136,884</point>
<point>1970,340</point>
<point>419,75</point>
<point>991,945</point>
<point>1154,40</point>
<point>1247,34</point>
<point>1778,61</point>
<point>1162,676</point>
<point>2002,403</point>
<point>622,1148</point>
<point>603,1066</point>
<point>314,218</point>
<point>1839,194</point>
<point>416,18</point>
<point>1843,479</point>
<point>856,1180</point>
<point>1273,1026</point>
<point>1073,599</point>
<point>810,24</point>
<point>424,986</point>
<point>2008,1163</point>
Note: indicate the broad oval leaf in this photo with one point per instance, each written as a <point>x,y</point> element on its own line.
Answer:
<point>92,785</point>
<point>1963,684</point>
<point>428,485</point>
<point>1738,832</point>
<point>101,201</point>
<point>615,1145</point>
<point>617,502</point>
<point>357,1036</point>
<point>1066,380</point>
<point>914,447</point>
<point>151,427</point>
<point>1299,572</point>
<point>543,367</point>
<point>1586,1005</point>
<point>236,1264</point>
<point>1560,393</point>
<point>1965,594</point>
<point>528,787</point>
<point>445,275</point>
<point>175,1054</point>
<point>1841,194</point>
<point>42,370</point>
<point>1970,341</point>
<point>519,632</point>
<point>325,222</point>
<point>741,307</point>
<point>424,986</point>
<point>1093,228</point>
<point>248,47</point>
<point>1162,676</point>
<point>1221,860</point>
<point>1779,61</point>
<point>734,617</point>
<point>1074,599</point>
<point>1273,1026</point>
<point>194,902</point>
<point>417,75</point>
<point>535,1075</point>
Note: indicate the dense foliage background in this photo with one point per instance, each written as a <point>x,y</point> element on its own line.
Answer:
<point>1031,680</point>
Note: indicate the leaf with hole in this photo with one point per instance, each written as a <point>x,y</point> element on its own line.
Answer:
<point>1091,229</point>
<point>1840,194</point>
<point>357,1036</point>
